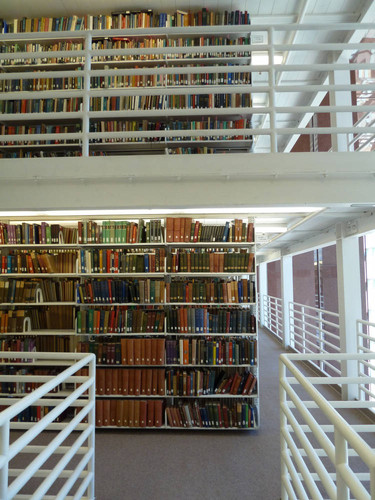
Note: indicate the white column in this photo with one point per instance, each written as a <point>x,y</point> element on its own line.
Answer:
<point>263,289</point>
<point>286,264</point>
<point>349,298</point>
<point>342,98</point>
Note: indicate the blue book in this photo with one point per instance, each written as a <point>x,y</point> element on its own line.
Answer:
<point>146,262</point>
<point>226,231</point>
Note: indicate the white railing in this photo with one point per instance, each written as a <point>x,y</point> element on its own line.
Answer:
<point>322,454</point>
<point>366,369</point>
<point>36,446</point>
<point>273,120</point>
<point>273,315</point>
<point>314,330</point>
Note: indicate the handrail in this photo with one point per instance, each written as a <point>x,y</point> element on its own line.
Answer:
<point>81,400</point>
<point>300,478</point>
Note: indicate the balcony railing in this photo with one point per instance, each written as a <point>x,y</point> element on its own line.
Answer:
<point>273,315</point>
<point>314,330</point>
<point>66,454</point>
<point>288,84</point>
<point>322,453</point>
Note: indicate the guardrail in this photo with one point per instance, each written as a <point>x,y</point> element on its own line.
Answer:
<point>68,454</point>
<point>366,369</point>
<point>314,330</point>
<point>329,459</point>
<point>266,66</point>
<point>273,315</point>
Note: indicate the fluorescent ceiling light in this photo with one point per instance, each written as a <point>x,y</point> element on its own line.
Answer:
<point>271,229</point>
<point>261,59</point>
<point>161,211</point>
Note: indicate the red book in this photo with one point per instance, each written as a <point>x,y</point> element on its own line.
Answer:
<point>196,231</point>
<point>150,413</point>
<point>169,224</point>
<point>158,413</point>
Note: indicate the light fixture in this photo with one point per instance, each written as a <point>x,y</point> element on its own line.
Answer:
<point>262,59</point>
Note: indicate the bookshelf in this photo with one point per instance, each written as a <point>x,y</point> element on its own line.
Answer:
<point>172,323</point>
<point>155,87</point>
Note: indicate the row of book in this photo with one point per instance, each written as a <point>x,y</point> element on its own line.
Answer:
<point>44,343</point>
<point>121,43</point>
<point>120,319</point>
<point>155,79</point>
<point>107,291</point>
<point>98,260</point>
<point>46,318</point>
<point>39,130</point>
<point>210,320</point>
<point>146,125</point>
<point>127,319</point>
<point>126,20</point>
<point>149,291</point>
<point>58,318</point>
<point>22,152</point>
<point>130,382</point>
<point>178,229</point>
<point>113,231</point>
<point>19,387</point>
<point>195,351</point>
<point>129,413</point>
<point>24,291</point>
<point>38,84</point>
<point>183,229</point>
<point>160,102</point>
<point>209,261</point>
<point>44,105</point>
<point>234,414</point>
<point>127,352</point>
<point>25,233</point>
<point>213,290</point>
<point>19,261</point>
<point>35,413</point>
<point>209,382</point>
<point>172,382</point>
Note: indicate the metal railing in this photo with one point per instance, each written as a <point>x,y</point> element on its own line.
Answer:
<point>314,330</point>
<point>273,315</point>
<point>164,87</point>
<point>322,453</point>
<point>366,369</point>
<point>68,454</point>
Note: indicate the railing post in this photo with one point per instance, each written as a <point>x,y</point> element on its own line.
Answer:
<point>262,273</point>
<point>303,329</point>
<point>4,451</point>
<point>283,425</point>
<point>86,96</point>
<point>291,324</point>
<point>286,268</point>
<point>320,336</point>
<point>91,439</point>
<point>272,95</point>
<point>349,300</point>
<point>341,458</point>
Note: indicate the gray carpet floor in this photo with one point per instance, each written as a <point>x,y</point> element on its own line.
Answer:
<point>189,465</point>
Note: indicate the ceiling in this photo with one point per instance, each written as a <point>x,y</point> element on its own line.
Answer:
<point>303,226</point>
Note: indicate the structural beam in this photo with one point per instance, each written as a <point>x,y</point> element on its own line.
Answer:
<point>187,181</point>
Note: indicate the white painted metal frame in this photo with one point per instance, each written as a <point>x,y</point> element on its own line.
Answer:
<point>270,113</point>
<point>273,315</point>
<point>366,345</point>
<point>311,332</point>
<point>75,458</point>
<point>319,460</point>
